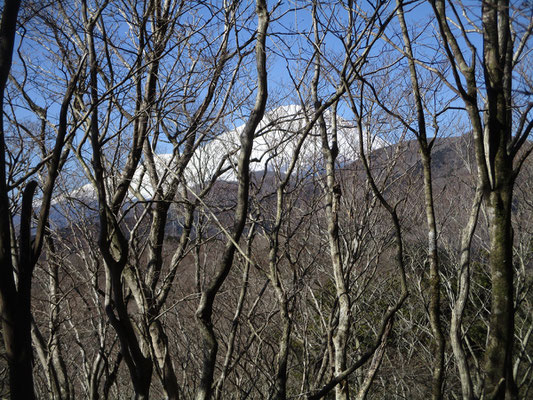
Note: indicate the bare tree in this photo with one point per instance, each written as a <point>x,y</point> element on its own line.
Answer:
<point>201,243</point>
<point>19,257</point>
<point>205,306</point>
<point>499,134</point>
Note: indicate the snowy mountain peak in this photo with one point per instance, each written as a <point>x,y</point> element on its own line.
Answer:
<point>276,142</point>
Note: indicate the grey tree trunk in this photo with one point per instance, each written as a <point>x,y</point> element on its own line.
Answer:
<point>280,380</point>
<point>205,308</point>
<point>17,344</point>
<point>332,189</point>
<point>497,51</point>
<point>111,240</point>
<point>433,256</point>
<point>461,300</point>
<point>495,151</point>
<point>15,297</point>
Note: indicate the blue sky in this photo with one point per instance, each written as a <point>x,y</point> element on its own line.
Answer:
<point>290,49</point>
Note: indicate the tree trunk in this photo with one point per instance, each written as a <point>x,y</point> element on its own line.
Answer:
<point>497,52</point>
<point>463,282</point>
<point>16,320</point>
<point>16,309</point>
<point>205,308</point>
<point>433,256</point>
<point>434,278</point>
<point>495,150</point>
<point>499,382</point>
<point>162,358</point>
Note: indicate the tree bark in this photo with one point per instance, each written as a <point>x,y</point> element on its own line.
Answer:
<point>14,318</point>
<point>463,283</point>
<point>495,150</point>
<point>497,55</point>
<point>330,150</point>
<point>16,308</point>
<point>205,308</point>
<point>433,256</point>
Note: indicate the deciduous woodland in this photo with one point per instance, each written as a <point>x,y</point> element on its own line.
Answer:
<point>266,200</point>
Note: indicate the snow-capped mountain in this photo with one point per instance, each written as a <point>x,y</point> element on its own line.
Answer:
<point>277,138</point>
<point>276,141</point>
